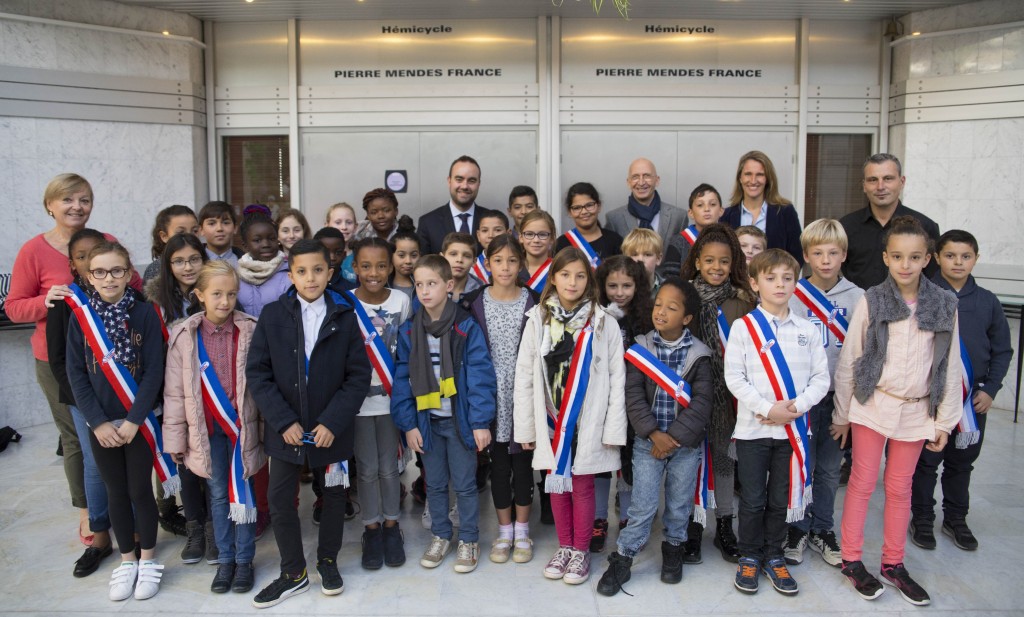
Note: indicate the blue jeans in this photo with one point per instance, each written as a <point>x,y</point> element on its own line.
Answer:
<point>449,459</point>
<point>95,491</point>
<point>236,542</point>
<point>679,471</point>
<point>825,460</point>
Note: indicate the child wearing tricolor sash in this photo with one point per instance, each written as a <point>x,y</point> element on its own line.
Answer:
<point>493,223</point>
<point>718,271</point>
<point>211,425</point>
<point>308,372</point>
<point>826,299</point>
<point>775,366</point>
<point>584,207</point>
<point>985,345</point>
<point>537,233</point>
<point>668,401</point>
<point>569,403</point>
<point>115,364</point>
<point>381,311</point>
<point>625,292</point>
<point>444,402</point>
<point>898,387</point>
<point>705,209</point>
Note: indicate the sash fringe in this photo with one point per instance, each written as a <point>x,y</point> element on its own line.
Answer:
<point>700,516</point>
<point>557,484</point>
<point>241,515</point>
<point>967,439</point>
<point>172,485</point>
<point>336,478</point>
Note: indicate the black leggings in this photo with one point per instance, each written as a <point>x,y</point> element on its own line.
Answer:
<point>194,496</point>
<point>127,473</point>
<point>511,473</point>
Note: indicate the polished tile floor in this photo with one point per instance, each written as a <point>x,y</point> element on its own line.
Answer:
<point>38,546</point>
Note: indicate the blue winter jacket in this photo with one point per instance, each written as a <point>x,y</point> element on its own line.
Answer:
<point>475,384</point>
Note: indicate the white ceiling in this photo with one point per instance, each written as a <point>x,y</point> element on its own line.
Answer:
<point>404,10</point>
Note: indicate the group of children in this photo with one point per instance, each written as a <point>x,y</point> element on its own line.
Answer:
<point>577,356</point>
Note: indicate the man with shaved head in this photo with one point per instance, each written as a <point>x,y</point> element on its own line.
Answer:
<point>645,208</point>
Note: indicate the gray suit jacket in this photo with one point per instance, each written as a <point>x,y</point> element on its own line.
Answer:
<point>671,221</point>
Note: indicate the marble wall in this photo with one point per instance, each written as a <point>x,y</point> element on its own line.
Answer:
<point>135,169</point>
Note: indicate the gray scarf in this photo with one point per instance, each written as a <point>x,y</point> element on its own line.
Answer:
<point>936,313</point>
<point>425,386</point>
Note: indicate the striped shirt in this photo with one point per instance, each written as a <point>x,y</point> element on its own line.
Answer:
<point>745,375</point>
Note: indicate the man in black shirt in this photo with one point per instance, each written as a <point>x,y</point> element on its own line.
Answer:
<point>883,183</point>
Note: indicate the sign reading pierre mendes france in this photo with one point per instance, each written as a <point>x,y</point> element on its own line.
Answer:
<point>679,51</point>
<point>481,51</point>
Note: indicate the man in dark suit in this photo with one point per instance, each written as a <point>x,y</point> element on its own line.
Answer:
<point>461,213</point>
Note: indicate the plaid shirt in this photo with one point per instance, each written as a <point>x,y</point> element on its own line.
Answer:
<point>664,406</point>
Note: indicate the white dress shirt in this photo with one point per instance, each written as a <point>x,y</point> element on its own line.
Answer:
<point>455,216</point>
<point>313,314</point>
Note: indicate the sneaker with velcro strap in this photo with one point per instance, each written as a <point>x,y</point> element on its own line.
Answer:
<point>866,585</point>
<point>148,582</point>
<point>958,530</point>
<point>747,573</point>
<point>897,576</point>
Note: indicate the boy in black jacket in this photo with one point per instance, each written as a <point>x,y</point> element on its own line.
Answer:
<point>309,374</point>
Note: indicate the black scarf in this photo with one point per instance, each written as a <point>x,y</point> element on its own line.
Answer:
<point>723,416</point>
<point>644,214</point>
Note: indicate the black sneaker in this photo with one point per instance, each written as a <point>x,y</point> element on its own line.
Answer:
<point>245,576</point>
<point>171,519</point>
<point>921,534</point>
<point>599,535</point>
<point>725,540</point>
<point>195,543</point>
<point>90,560</point>
<point>223,579</point>
<point>796,542</point>
<point>897,576</point>
<point>863,583</point>
<point>318,510</point>
<point>373,548</point>
<point>616,575</point>
<point>330,580</point>
<point>281,589</point>
<point>691,548</point>
<point>747,571</point>
<point>961,534</point>
<point>671,563</point>
<point>394,546</point>
<point>825,543</point>
<point>419,490</point>
<point>547,516</point>
<point>778,574</point>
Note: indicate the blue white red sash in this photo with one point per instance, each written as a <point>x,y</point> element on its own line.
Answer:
<point>121,380</point>
<point>480,270</point>
<point>241,492</point>
<point>576,239</point>
<point>660,373</point>
<point>336,474</point>
<point>690,233</point>
<point>704,494</point>
<point>818,304</point>
<point>540,277</point>
<point>376,349</point>
<point>723,330</point>
<point>775,366</point>
<point>559,478</point>
<point>163,322</point>
<point>968,432</point>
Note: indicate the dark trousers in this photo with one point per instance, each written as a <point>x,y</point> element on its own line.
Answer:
<point>127,471</point>
<point>957,466</point>
<point>284,516</point>
<point>511,476</point>
<point>762,466</point>
<point>195,499</point>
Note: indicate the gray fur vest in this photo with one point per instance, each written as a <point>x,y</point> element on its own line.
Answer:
<point>936,313</point>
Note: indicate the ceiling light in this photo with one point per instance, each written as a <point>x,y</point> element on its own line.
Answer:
<point>915,34</point>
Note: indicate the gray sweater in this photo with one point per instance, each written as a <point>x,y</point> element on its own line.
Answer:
<point>844,296</point>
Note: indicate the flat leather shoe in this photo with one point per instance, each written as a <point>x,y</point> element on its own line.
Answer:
<point>90,560</point>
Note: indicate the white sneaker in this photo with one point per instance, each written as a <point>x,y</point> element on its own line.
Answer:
<point>453,516</point>
<point>435,553</point>
<point>122,580</point>
<point>150,573</point>
<point>425,519</point>
<point>466,556</point>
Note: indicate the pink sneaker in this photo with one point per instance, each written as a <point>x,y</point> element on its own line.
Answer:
<point>578,570</point>
<point>556,567</point>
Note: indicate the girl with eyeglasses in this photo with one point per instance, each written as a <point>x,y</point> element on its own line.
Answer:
<point>537,234</point>
<point>584,205</point>
<point>170,221</point>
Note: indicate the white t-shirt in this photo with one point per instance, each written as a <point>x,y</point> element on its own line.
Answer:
<point>386,318</point>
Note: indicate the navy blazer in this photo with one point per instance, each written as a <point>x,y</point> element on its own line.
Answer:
<point>438,223</point>
<point>781,225</point>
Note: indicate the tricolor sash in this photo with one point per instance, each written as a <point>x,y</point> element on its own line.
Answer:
<point>704,493</point>
<point>723,330</point>
<point>376,350</point>
<point>241,492</point>
<point>690,234</point>
<point>336,474</point>
<point>121,380</point>
<point>559,478</point>
<point>163,322</point>
<point>540,277</point>
<point>576,239</point>
<point>480,270</point>
<point>660,373</point>
<point>968,432</point>
<point>775,366</point>
<point>819,305</point>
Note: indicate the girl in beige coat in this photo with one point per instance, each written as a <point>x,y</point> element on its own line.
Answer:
<point>594,430</point>
<point>208,408</point>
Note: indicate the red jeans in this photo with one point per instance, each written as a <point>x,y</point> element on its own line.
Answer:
<point>900,463</point>
<point>574,513</point>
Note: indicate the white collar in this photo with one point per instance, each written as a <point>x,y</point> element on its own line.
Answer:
<point>456,212</point>
<point>770,317</point>
<point>318,306</point>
